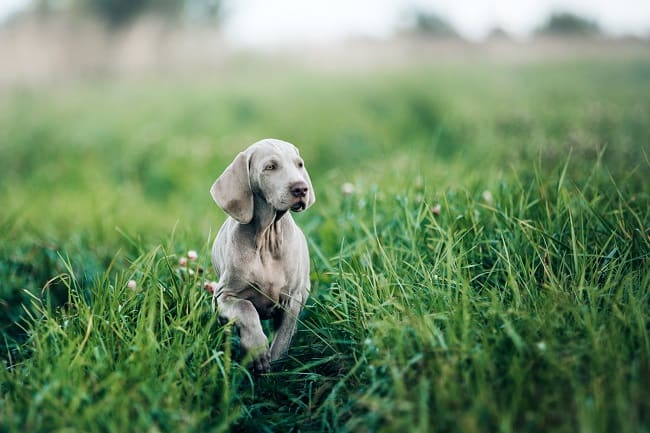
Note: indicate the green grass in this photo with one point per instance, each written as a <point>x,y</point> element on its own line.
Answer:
<point>521,303</point>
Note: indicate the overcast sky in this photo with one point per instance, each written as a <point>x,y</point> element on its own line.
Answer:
<point>254,22</point>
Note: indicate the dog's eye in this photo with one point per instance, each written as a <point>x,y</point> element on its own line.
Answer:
<point>270,166</point>
<point>301,164</point>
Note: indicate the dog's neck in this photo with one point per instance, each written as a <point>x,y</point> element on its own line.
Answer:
<point>267,224</point>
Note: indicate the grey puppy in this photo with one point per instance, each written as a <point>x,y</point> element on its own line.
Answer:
<point>260,253</point>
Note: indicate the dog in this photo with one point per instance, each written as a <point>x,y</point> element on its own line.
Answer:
<point>260,253</point>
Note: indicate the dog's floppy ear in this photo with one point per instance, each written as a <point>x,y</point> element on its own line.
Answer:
<point>232,190</point>
<point>311,196</point>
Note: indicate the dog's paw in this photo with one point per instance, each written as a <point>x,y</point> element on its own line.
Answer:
<point>262,364</point>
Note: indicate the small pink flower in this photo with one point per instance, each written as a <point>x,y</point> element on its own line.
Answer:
<point>192,255</point>
<point>436,209</point>
<point>182,262</point>
<point>211,287</point>
<point>131,284</point>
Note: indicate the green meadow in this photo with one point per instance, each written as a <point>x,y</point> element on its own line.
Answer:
<point>486,267</point>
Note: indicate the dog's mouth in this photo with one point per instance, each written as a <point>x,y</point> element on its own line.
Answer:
<point>299,206</point>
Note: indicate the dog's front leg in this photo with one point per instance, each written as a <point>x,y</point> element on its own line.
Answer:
<point>284,322</point>
<point>251,335</point>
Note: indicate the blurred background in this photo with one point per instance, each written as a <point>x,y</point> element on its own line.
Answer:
<point>43,40</point>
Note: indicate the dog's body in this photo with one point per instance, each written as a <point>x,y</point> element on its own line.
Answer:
<point>260,253</point>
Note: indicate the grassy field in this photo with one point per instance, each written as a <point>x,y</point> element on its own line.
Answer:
<point>489,272</point>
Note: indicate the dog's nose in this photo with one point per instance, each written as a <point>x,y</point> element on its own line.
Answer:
<point>299,189</point>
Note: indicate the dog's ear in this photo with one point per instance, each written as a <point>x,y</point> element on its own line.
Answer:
<point>311,196</point>
<point>232,190</point>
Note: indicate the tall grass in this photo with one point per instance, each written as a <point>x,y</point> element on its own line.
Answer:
<point>489,272</point>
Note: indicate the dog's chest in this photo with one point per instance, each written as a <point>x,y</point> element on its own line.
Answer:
<point>269,284</point>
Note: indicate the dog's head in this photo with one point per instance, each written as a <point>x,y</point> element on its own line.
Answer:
<point>269,169</point>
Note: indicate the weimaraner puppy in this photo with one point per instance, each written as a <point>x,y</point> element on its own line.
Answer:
<point>260,253</point>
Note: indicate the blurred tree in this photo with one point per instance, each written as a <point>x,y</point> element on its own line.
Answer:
<point>569,24</point>
<point>432,24</point>
<point>117,13</point>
